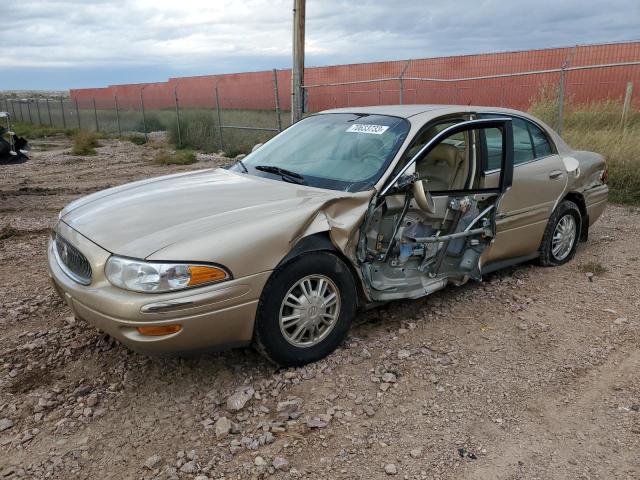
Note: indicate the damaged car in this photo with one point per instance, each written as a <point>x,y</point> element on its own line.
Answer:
<point>346,209</point>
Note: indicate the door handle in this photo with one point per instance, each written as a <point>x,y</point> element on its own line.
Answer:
<point>555,174</point>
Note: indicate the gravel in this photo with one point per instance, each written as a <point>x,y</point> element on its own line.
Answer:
<point>531,373</point>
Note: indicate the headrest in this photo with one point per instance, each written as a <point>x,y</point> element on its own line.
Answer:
<point>443,155</point>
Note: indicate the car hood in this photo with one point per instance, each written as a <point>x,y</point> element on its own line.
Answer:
<point>141,218</point>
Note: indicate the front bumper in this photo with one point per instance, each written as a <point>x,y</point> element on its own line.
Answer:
<point>214,317</point>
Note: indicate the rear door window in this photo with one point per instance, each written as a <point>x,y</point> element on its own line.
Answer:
<point>541,145</point>
<point>522,143</point>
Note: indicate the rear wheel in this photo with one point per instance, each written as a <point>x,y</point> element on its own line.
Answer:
<point>305,309</point>
<point>560,239</point>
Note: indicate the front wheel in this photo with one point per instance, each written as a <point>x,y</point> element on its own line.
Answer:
<point>305,309</point>
<point>560,239</point>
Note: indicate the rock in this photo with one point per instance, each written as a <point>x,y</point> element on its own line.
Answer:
<point>390,469</point>
<point>153,462</point>
<point>82,390</point>
<point>288,406</point>
<point>189,467</point>
<point>389,377</point>
<point>92,400</point>
<point>201,477</point>
<point>289,409</point>
<point>238,400</point>
<point>416,453</point>
<point>259,461</point>
<point>5,424</point>
<point>402,354</point>
<point>315,422</point>
<point>222,427</point>
<point>620,321</point>
<point>281,463</point>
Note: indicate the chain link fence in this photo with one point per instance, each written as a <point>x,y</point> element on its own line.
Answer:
<point>234,112</point>
<point>563,79</point>
<point>217,118</point>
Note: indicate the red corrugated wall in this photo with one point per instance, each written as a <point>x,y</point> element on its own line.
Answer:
<point>255,90</point>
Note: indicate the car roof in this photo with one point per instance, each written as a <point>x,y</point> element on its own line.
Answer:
<point>427,112</point>
<point>408,111</point>
<point>404,111</point>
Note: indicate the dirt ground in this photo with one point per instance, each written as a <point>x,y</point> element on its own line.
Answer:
<point>532,374</point>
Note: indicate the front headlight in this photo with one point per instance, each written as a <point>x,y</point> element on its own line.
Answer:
<point>156,277</point>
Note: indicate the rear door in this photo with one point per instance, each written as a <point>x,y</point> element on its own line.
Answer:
<point>539,178</point>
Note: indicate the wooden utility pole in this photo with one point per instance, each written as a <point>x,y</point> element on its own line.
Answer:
<point>297,70</point>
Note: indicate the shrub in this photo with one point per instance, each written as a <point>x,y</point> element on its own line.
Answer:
<point>153,123</point>
<point>137,139</point>
<point>84,143</point>
<point>179,157</point>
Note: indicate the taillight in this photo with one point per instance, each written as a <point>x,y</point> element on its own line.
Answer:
<point>605,175</point>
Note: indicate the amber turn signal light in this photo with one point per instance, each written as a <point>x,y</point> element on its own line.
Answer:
<point>202,274</point>
<point>159,330</point>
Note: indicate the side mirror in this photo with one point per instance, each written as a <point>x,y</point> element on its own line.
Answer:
<point>256,146</point>
<point>422,196</point>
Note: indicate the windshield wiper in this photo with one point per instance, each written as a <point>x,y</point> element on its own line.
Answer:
<point>244,167</point>
<point>286,175</point>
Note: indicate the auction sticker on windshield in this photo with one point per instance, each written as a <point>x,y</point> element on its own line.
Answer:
<point>373,129</point>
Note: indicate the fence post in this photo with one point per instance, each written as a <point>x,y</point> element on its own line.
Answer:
<point>175,94</point>
<point>78,113</point>
<point>115,101</point>
<point>49,113</point>
<point>13,109</point>
<point>561,89</point>
<point>560,120</point>
<point>29,111</point>
<point>64,122</point>
<point>406,65</point>
<point>144,116</point>
<point>275,88</point>
<point>626,105</point>
<point>21,112</point>
<point>95,113</point>
<point>219,118</point>
<point>38,110</point>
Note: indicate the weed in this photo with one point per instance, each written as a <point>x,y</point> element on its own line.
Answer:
<point>137,139</point>
<point>38,131</point>
<point>179,157</point>
<point>593,267</point>
<point>84,143</point>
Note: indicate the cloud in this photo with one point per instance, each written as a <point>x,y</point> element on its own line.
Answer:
<point>64,43</point>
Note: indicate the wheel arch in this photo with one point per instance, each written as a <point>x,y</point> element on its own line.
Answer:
<point>578,199</point>
<point>321,242</point>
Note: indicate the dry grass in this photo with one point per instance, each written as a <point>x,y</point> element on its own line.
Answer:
<point>597,128</point>
<point>593,267</point>
<point>85,143</point>
<point>179,157</point>
<point>30,131</point>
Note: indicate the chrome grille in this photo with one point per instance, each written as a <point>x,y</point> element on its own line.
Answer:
<point>74,263</point>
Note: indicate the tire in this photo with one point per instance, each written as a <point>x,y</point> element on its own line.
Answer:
<point>566,213</point>
<point>325,327</point>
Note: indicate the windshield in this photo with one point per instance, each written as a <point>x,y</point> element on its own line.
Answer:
<point>338,151</point>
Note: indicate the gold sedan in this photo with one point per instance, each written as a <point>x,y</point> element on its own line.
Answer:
<point>344,209</point>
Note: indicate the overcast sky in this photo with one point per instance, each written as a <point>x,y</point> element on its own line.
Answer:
<point>60,44</point>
